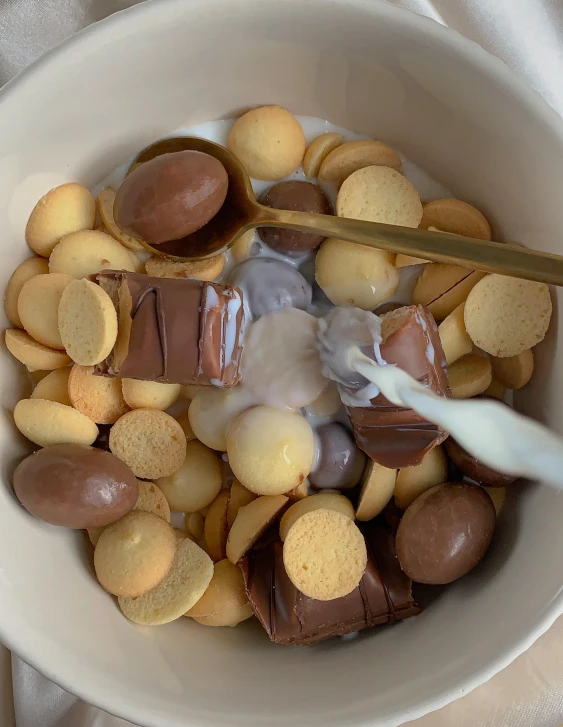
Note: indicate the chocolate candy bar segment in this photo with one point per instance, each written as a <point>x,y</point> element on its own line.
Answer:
<point>383,595</point>
<point>174,331</point>
<point>392,435</point>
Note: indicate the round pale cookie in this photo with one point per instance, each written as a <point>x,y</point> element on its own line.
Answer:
<point>183,535</point>
<point>196,483</point>
<point>269,141</point>
<point>453,336</point>
<point>184,421</point>
<point>325,555</point>
<point>513,372</point>
<point>413,481</point>
<point>496,390</point>
<point>239,497</point>
<point>190,391</point>
<point>25,271</point>
<point>207,270</point>
<point>505,316</point>
<point>469,376</point>
<point>327,404</point>
<point>87,252</point>
<point>317,152</point>
<point>270,451</point>
<point>87,322</point>
<point>299,492</point>
<point>38,307</point>
<point>379,194</point>
<point>98,397</point>
<point>180,589</point>
<point>351,274</point>
<point>353,155</point>
<point>457,217</point>
<point>106,199</point>
<point>251,521</point>
<point>245,246</point>
<point>212,412</point>
<point>215,529</point>
<point>324,500</point>
<point>64,209</point>
<point>225,602</point>
<point>378,484</point>
<point>149,394</point>
<point>134,554</point>
<point>48,422</point>
<point>54,387</point>
<point>151,442</point>
<point>32,354</point>
<point>194,523</point>
<point>443,287</point>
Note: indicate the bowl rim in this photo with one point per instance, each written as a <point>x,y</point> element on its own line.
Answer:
<point>112,28</point>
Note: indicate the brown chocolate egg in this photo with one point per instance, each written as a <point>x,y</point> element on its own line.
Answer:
<point>301,197</point>
<point>171,196</point>
<point>75,486</point>
<point>474,469</point>
<point>445,533</point>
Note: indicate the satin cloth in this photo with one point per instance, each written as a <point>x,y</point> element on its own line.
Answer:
<point>528,36</point>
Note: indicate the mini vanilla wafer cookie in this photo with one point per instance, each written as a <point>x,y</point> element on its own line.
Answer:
<point>149,394</point>
<point>194,523</point>
<point>208,269</point>
<point>106,199</point>
<point>326,500</point>
<point>413,481</point>
<point>239,496</point>
<point>457,217</point>
<point>196,482</point>
<point>378,484</point>
<point>269,141</point>
<point>25,271</point>
<point>505,316</point>
<point>215,529</point>
<point>184,421</point>
<point>244,245</point>
<point>86,252</point>
<point>38,307</point>
<point>453,336</point>
<point>347,158</point>
<point>443,287</point>
<point>98,397</point>
<point>513,372</point>
<point>54,387</point>
<point>325,555</point>
<point>134,554</point>
<point>151,442</point>
<point>181,588</point>
<point>225,602</point>
<point>496,390</point>
<point>317,152</point>
<point>251,521</point>
<point>469,376</point>
<point>48,422</point>
<point>33,354</point>
<point>87,322</point>
<point>379,194</point>
<point>65,209</point>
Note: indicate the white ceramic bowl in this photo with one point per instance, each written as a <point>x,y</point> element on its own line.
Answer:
<point>452,109</point>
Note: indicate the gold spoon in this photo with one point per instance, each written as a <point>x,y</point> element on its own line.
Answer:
<point>241,212</point>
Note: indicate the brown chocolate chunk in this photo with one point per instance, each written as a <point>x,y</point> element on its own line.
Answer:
<point>300,197</point>
<point>474,469</point>
<point>174,331</point>
<point>445,533</point>
<point>171,196</point>
<point>289,617</point>
<point>75,486</point>
<point>391,435</point>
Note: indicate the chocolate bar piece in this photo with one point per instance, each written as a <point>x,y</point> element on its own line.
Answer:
<point>383,595</point>
<point>391,435</point>
<point>174,331</point>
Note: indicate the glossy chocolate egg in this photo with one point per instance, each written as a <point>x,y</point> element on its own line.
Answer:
<point>445,533</point>
<point>75,486</point>
<point>475,469</point>
<point>340,464</point>
<point>171,196</point>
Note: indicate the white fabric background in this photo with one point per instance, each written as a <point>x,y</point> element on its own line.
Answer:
<point>528,36</point>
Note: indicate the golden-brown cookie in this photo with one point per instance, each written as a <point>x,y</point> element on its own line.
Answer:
<point>443,287</point>
<point>242,248</point>
<point>269,141</point>
<point>469,376</point>
<point>151,442</point>
<point>194,523</point>
<point>328,402</point>
<point>215,529</point>
<point>457,217</point>
<point>32,354</point>
<point>347,158</point>
<point>54,387</point>
<point>453,336</point>
<point>251,521</point>
<point>181,588</point>
<point>134,554</point>
<point>325,555</point>
<point>196,482</point>
<point>98,397</point>
<point>64,209</point>
<point>86,252</point>
<point>106,199</point>
<point>513,372</point>
<point>25,271</point>
<point>48,422</point>
<point>495,389</point>
<point>506,316</point>
<point>413,481</point>
<point>299,492</point>
<point>317,152</point>
<point>184,421</point>
<point>149,394</point>
<point>225,602</point>
<point>378,485</point>
<point>326,500</point>
<point>208,269</point>
<point>212,412</point>
<point>239,496</point>
<point>38,307</point>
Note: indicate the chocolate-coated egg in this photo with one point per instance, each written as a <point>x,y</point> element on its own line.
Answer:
<point>445,532</point>
<point>340,463</point>
<point>75,486</point>
<point>297,196</point>
<point>171,196</point>
<point>270,285</point>
<point>474,469</point>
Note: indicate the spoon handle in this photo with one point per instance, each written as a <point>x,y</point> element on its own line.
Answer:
<point>441,247</point>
